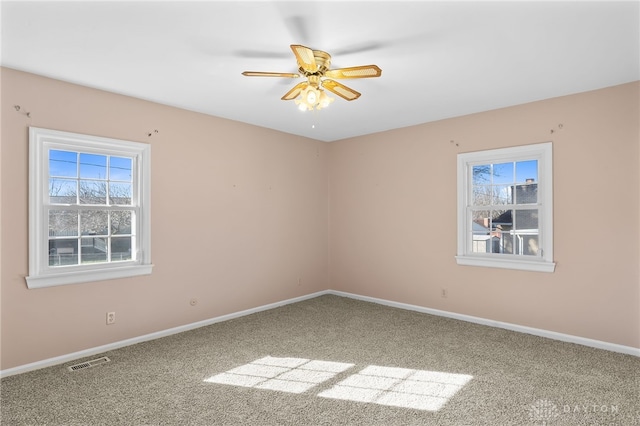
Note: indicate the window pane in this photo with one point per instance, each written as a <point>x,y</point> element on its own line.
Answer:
<point>120,249</point>
<point>63,191</point>
<point>120,193</point>
<point>502,219</point>
<point>481,243</point>
<point>526,220</point>
<point>481,174</point>
<point>93,192</point>
<point>481,195</point>
<point>121,222</point>
<point>63,163</point>
<point>94,249</point>
<point>63,223</point>
<point>527,171</point>
<point>530,245</point>
<point>502,243</point>
<point>501,224</point>
<point>501,195</point>
<point>93,166</point>
<point>481,218</point>
<point>503,173</point>
<point>480,230</point>
<point>527,193</point>
<point>63,252</point>
<point>120,169</point>
<point>525,232</point>
<point>94,222</point>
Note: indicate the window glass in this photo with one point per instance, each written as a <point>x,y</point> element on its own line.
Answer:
<point>120,169</point>
<point>93,166</point>
<point>63,163</point>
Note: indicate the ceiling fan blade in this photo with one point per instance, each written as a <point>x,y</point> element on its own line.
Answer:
<point>293,93</point>
<point>270,74</point>
<point>340,90</point>
<point>363,71</point>
<point>305,58</point>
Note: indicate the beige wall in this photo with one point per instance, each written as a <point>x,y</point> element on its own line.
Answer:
<point>239,213</point>
<point>393,216</point>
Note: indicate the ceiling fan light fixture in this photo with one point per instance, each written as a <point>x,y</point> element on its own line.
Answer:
<point>302,106</point>
<point>312,97</point>
<point>325,100</point>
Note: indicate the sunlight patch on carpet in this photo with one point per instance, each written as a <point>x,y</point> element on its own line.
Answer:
<point>293,375</point>
<point>399,387</point>
<point>392,386</point>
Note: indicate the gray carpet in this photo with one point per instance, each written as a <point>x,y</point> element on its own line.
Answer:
<point>335,361</point>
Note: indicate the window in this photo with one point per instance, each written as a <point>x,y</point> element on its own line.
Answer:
<point>505,208</point>
<point>89,200</point>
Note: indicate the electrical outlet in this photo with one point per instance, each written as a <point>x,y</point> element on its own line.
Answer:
<point>111,318</point>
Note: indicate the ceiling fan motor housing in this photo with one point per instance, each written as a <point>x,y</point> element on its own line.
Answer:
<point>323,61</point>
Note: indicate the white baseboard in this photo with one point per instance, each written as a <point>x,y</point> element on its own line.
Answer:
<point>629,350</point>
<point>152,336</point>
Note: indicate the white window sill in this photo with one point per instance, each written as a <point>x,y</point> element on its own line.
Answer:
<point>524,265</point>
<point>76,277</point>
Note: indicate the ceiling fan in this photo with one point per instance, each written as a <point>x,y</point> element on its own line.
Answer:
<point>315,66</point>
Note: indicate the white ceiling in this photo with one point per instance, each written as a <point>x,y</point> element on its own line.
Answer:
<point>438,59</point>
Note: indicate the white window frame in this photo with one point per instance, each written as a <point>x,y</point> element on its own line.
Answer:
<point>544,262</point>
<point>40,273</point>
